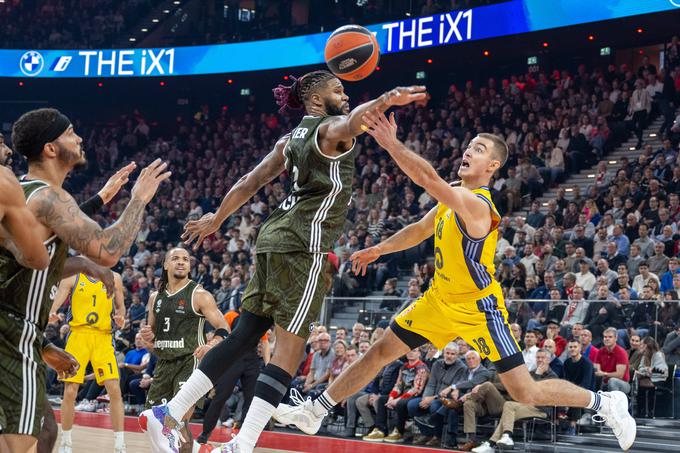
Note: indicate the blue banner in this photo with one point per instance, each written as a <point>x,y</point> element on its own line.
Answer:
<point>512,17</point>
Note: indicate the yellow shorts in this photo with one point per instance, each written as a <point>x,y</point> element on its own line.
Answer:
<point>90,345</point>
<point>480,319</point>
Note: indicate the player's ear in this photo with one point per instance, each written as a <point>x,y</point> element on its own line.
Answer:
<point>316,100</point>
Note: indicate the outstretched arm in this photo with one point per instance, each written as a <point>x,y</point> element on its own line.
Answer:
<point>404,239</point>
<point>64,290</point>
<point>466,204</point>
<point>270,167</point>
<point>345,128</point>
<point>56,209</point>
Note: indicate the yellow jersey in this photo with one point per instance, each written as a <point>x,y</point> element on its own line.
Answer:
<point>90,306</point>
<point>463,265</point>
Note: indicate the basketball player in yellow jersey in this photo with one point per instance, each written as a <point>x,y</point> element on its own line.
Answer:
<point>91,340</point>
<point>464,300</point>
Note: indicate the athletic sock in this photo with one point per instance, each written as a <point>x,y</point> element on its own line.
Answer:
<point>272,385</point>
<point>118,439</point>
<point>193,390</point>
<point>323,404</point>
<point>66,436</point>
<point>596,401</point>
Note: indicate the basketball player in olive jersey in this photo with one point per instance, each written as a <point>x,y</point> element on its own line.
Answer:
<point>288,286</point>
<point>47,139</point>
<point>464,300</point>
<point>91,341</point>
<point>176,321</point>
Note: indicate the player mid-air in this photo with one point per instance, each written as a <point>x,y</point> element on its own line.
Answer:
<point>464,298</point>
<point>292,246</point>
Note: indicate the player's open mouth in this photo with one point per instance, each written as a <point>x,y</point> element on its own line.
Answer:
<point>464,164</point>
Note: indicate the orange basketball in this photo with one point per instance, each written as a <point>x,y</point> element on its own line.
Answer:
<point>352,52</point>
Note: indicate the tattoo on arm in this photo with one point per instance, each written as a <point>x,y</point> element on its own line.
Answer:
<point>58,210</point>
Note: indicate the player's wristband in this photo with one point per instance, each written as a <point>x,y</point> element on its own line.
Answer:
<point>221,333</point>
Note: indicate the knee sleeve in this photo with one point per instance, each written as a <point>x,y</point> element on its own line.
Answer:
<point>272,384</point>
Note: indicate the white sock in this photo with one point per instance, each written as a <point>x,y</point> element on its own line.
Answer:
<point>323,404</point>
<point>597,401</point>
<point>118,439</point>
<point>258,416</point>
<point>65,436</point>
<point>193,390</point>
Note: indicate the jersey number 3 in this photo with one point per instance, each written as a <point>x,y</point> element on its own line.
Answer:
<point>166,324</point>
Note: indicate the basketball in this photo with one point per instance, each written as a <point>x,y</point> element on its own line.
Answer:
<point>352,52</point>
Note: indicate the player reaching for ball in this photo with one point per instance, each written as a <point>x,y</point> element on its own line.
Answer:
<point>289,283</point>
<point>463,300</point>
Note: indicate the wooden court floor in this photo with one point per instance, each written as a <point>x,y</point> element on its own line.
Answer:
<point>92,433</point>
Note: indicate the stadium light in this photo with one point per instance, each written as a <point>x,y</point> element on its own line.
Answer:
<point>133,39</point>
<point>377,68</point>
<point>429,61</point>
<point>155,21</point>
<point>652,135</point>
<point>166,11</point>
<point>176,2</point>
<point>230,81</point>
<point>21,84</point>
<point>591,176</point>
<point>639,30</point>
<point>144,30</point>
<point>100,84</point>
<point>161,83</point>
<point>486,53</point>
<point>545,44</point>
<point>613,162</point>
<point>591,38</point>
<point>632,148</point>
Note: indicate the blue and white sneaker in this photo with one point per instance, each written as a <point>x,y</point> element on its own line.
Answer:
<point>161,429</point>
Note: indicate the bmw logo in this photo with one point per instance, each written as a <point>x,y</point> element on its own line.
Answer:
<point>675,3</point>
<point>31,63</point>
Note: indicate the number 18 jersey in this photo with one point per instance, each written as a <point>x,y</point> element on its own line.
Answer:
<point>463,265</point>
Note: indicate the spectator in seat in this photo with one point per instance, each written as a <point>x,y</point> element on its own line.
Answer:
<point>587,347</point>
<point>513,411</point>
<point>317,378</point>
<point>555,363</point>
<point>634,354</point>
<point>374,395</point>
<point>611,364</point>
<point>357,329</point>
<point>613,257</point>
<point>137,312</point>
<point>652,370</point>
<point>341,334</point>
<point>445,372</point>
<point>658,263</point>
<point>552,332</point>
<point>410,383</point>
<point>603,269</point>
<point>486,399</point>
<point>575,311</point>
<point>584,278</point>
<point>671,347</point>
<point>339,362</point>
<point>667,277</point>
<point>530,348</point>
<point>641,279</point>
<point>644,242</point>
<point>578,369</point>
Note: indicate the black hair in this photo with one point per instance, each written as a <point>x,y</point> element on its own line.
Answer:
<point>294,97</point>
<point>163,284</point>
<point>29,126</point>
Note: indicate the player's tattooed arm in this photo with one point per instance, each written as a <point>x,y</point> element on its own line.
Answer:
<point>81,265</point>
<point>57,210</point>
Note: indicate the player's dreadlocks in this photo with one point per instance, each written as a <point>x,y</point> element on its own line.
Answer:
<point>294,97</point>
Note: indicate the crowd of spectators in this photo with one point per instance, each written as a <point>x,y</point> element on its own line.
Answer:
<point>596,254</point>
<point>62,24</point>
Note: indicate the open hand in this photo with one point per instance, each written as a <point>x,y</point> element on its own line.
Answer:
<point>406,95</point>
<point>362,258</point>
<point>384,131</point>
<point>198,230</point>
<point>149,179</point>
<point>116,182</point>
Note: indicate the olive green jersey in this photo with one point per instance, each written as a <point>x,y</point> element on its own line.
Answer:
<point>27,294</point>
<point>178,328</point>
<point>311,218</point>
